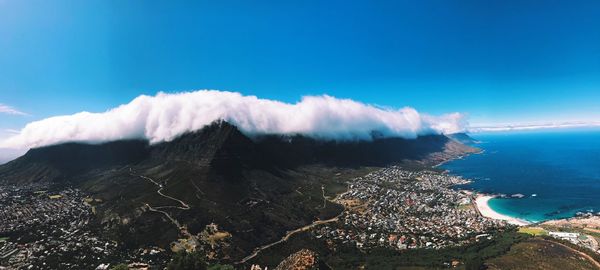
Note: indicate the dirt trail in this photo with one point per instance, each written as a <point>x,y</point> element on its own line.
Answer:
<point>583,254</point>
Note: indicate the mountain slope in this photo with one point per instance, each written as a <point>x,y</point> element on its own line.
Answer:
<point>69,160</point>
<point>256,189</point>
<point>463,138</point>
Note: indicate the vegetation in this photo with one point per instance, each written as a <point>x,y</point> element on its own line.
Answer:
<point>474,264</point>
<point>538,253</point>
<point>471,255</point>
<point>120,266</point>
<point>221,267</point>
<point>589,252</point>
<point>464,206</point>
<point>187,261</point>
<point>349,257</point>
<point>535,231</point>
<point>194,261</point>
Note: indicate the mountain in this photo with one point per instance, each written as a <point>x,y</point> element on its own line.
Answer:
<point>463,138</point>
<point>69,160</point>
<point>255,189</point>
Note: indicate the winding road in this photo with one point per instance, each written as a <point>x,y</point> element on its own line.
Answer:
<point>301,229</point>
<point>288,235</point>
<point>182,206</point>
<point>174,221</point>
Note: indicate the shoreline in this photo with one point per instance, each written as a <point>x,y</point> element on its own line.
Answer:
<point>464,155</point>
<point>482,205</point>
<point>482,200</point>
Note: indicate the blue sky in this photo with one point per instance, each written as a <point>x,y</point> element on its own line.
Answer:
<point>498,61</point>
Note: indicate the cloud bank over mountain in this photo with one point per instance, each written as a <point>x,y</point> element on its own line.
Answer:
<point>166,116</point>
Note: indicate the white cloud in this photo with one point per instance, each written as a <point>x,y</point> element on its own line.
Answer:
<point>166,116</point>
<point>10,110</point>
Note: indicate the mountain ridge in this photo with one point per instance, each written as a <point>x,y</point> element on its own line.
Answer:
<point>202,148</point>
<point>254,188</point>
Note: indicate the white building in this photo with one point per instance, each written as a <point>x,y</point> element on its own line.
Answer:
<point>564,235</point>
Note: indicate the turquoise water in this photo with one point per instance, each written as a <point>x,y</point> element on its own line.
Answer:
<point>561,169</point>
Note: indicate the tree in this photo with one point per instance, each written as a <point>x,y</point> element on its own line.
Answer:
<point>474,264</point>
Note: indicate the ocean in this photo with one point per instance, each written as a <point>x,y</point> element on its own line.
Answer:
<point>557,171</point>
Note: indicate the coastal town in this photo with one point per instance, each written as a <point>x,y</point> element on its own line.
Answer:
<point>42,227</point>
<point>404,209</point>
<point>45,227</point>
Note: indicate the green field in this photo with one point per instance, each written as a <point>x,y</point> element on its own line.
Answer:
<point>535,231</point>
<point>465,206</point>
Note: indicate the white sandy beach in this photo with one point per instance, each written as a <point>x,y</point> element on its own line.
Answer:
<point>482,204</point>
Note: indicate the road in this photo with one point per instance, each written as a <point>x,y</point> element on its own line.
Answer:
<point>183,205</point>
<point>324,198</point>
<point>287,236</point>
<point>301,229</point>
<point>174,221</point>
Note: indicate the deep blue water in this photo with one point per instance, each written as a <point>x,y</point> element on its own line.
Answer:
<point>561,167</point>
